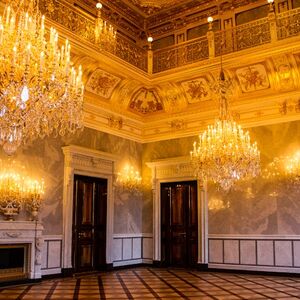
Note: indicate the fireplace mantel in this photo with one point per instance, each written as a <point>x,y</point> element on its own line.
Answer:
<point>25,232</point>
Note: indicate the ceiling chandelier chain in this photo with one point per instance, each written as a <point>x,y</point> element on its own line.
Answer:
<point>41,92</point>
<point>224,153</point>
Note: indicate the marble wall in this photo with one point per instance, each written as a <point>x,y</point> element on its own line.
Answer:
<point>44,159</point>
<point>260,206</point>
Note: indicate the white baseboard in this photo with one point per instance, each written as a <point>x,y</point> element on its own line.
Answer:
<point>254,268</point>
<point>132,262</point>
<point>51,271</point>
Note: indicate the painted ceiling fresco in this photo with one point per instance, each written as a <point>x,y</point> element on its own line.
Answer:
<point>278,73</point>
<point>102,83</point>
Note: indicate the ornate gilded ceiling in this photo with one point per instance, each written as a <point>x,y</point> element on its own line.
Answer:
<point>153,6</point>
<point>124,97</point>
<point>136,18</point>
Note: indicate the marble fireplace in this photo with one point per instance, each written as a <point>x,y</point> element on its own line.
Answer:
<point>20,249</point>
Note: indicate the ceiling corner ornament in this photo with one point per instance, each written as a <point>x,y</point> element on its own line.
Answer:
<point>105,34</point>
<point>41,93</point>
<point>224,153</point>
<point>146,101</point>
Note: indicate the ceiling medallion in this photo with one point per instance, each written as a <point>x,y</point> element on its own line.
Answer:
<point>153,5</point>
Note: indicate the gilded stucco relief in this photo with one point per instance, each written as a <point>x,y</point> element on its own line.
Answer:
<point>102,83</point>
<point>253,78</point>
<point>146,101</point>
<point>196,90</point>
<point>284,72</point>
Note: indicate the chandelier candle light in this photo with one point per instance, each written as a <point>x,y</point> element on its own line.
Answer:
<point>41,93</point>
<point>17,189</point>
<point>129,178</point>
<point>224,153</point>
<point>105,34</point>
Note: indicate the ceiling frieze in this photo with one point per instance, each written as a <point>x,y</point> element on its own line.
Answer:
<point>266,89</point>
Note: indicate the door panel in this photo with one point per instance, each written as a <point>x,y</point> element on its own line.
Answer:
<point>179,224</point>
<point>89,223</point>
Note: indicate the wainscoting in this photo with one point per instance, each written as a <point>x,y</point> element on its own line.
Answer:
<point>260,253</point>
<point>52,254</point>
<point>130,249</point>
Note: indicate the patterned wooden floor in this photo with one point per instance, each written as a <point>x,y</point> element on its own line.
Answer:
<point>152,283</point>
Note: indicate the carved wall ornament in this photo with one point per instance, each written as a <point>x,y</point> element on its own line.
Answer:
<point>114,122</point>
<point>13,235</point>
<point>236,116</point>
<point>283,72</point>
<point>253,78</point>
<point>102,83</point>
<point>178,124</point>
<point>289,106</point>
<point>146,101</point>
<point>196,90</point>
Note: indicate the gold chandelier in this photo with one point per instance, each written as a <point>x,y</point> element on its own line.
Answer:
<point>129,178</point>
<point>41,93</point>
<point>224,153</point>
<point>105,34</point>
<point>18,189</point>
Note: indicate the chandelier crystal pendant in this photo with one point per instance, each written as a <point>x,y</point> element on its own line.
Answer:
<point>105,34</point>
<point>41,93</point>
<point>224,153</point>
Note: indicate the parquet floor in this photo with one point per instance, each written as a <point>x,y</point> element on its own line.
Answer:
<point>153,283</point>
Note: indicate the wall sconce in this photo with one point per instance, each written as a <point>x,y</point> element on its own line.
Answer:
<point>284,168</point>
<point>216,204</point>
<point>17,189</point>
<point>129,178</point>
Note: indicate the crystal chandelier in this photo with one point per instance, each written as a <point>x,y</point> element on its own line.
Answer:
<point>224,153</point>
<point>16,189</point>
<point>41,93</point>
<point>105,34</point>
<point>129,178</point>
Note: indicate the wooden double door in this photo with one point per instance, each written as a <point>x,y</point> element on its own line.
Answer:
<point>89,223</point>
<point>179,224</point>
